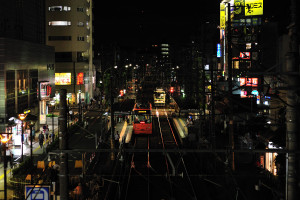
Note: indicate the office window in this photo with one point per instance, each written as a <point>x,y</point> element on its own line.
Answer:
<point>80,9</point>
<point>80,38</point>
<point>54,38</point>
<point>55,8</point>
<point>59,23</point>
<point>63,57</point>
<point>67,8</point>
<point>59,8</point>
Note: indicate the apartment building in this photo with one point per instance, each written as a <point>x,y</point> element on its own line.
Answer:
<point>69,29</point>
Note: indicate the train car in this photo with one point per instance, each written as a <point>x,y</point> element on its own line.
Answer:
<point>142,119</point>
<point>159,97</point>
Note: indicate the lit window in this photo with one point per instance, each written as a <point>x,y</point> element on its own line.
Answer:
<point>236,64</point>
<point>55,8</point>
<point>60,23</point>
<point>67,8</point>
<point>80,38</point>
<point>59,8</point>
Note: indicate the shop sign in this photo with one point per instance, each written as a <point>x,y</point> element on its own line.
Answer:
<point>253,7</point>
<point>62,78</point>
<point>44,90</point>
<point>80,77</point>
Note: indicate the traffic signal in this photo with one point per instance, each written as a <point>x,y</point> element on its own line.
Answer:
<point>171,89</point>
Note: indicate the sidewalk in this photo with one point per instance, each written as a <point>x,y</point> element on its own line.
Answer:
<point>17,151</point>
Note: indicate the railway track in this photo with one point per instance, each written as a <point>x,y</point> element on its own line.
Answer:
<point>162,175</point>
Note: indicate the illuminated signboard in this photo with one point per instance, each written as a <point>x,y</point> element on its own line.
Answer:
<point>80,77</point>
<point>44,90</point>
<point>245,55</point>
<point>253,82</point>
<point>62,78</point>
<point>222,16</point>
<point>253,7</point>
<point>218,50</point>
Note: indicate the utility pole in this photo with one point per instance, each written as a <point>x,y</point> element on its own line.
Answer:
<point>213,132</point>
<point>112,117</point>
<point>63,145</point>
<point>292,118</point>
<point>229,64</point>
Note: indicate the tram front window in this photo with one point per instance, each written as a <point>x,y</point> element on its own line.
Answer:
<point>142,118</point>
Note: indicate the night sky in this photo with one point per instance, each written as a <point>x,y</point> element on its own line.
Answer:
<point>137,24</point>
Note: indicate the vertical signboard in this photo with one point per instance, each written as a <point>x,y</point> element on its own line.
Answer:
<point>222,16</point>
<point>80,79</point>
<point>253,7</point>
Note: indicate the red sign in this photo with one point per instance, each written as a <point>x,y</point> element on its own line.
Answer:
<point>245,55</point>
<point>80,76</point>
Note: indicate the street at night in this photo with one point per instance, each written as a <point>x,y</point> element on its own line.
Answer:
<point>150,101</point>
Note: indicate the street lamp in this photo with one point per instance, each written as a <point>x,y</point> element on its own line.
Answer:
<point>4,140</point>
<point>22,117</point>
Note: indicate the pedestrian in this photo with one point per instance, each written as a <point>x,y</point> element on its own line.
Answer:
<point>33,134</point>
<point>52,136</point>
<point>9,157</point>
<point>117,138</point>
<point>41,141</point>
<point>71,114</point>
<point>47,133</point>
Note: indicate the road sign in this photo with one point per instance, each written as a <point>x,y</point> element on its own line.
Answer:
<point>37,192</point>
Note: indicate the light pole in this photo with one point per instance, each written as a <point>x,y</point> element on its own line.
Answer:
<point>22,117</point>
<point>31,125</point>
<point>4,140</point>
<point>52,104</point>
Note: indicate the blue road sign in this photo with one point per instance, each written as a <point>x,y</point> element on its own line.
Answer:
<point>37,192</point>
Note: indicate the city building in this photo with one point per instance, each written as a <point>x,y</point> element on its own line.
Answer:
<point>25,63</point>
<point>69,29</point>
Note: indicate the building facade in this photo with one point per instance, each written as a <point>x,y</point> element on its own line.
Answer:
<point>25,61</point>
<point>69,29</point>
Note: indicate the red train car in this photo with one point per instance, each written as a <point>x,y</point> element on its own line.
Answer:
<point>142,119</point>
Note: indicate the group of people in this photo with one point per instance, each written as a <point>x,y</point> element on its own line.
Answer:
<point>45,134</point>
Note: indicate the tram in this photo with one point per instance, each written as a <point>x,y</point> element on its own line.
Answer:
<point>142,119</point>
<point>159,97</point>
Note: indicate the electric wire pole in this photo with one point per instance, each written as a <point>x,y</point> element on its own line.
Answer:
<point>292,118</point>
<point>63,145</point>
<point>229,64</point>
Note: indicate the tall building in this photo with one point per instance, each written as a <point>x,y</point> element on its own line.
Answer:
<point>69,29</point>
<point>25,61</point>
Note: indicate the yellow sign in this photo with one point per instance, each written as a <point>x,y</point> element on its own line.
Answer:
<point>62,78</point>
<point>253,7</point>
<point>222,16</point>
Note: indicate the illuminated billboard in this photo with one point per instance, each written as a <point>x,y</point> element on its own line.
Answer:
<point>253,7</point>
<point>44,90</point>
<point>252,82</point>
<point>245,55</point>
<point>62,78</point>
<point>222,16</point>
<point>80,77</point>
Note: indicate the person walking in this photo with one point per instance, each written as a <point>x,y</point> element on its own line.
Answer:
<point>47,133</point>
<point>117,138</point>
<point>41,141</point>
<point>9,157</point>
